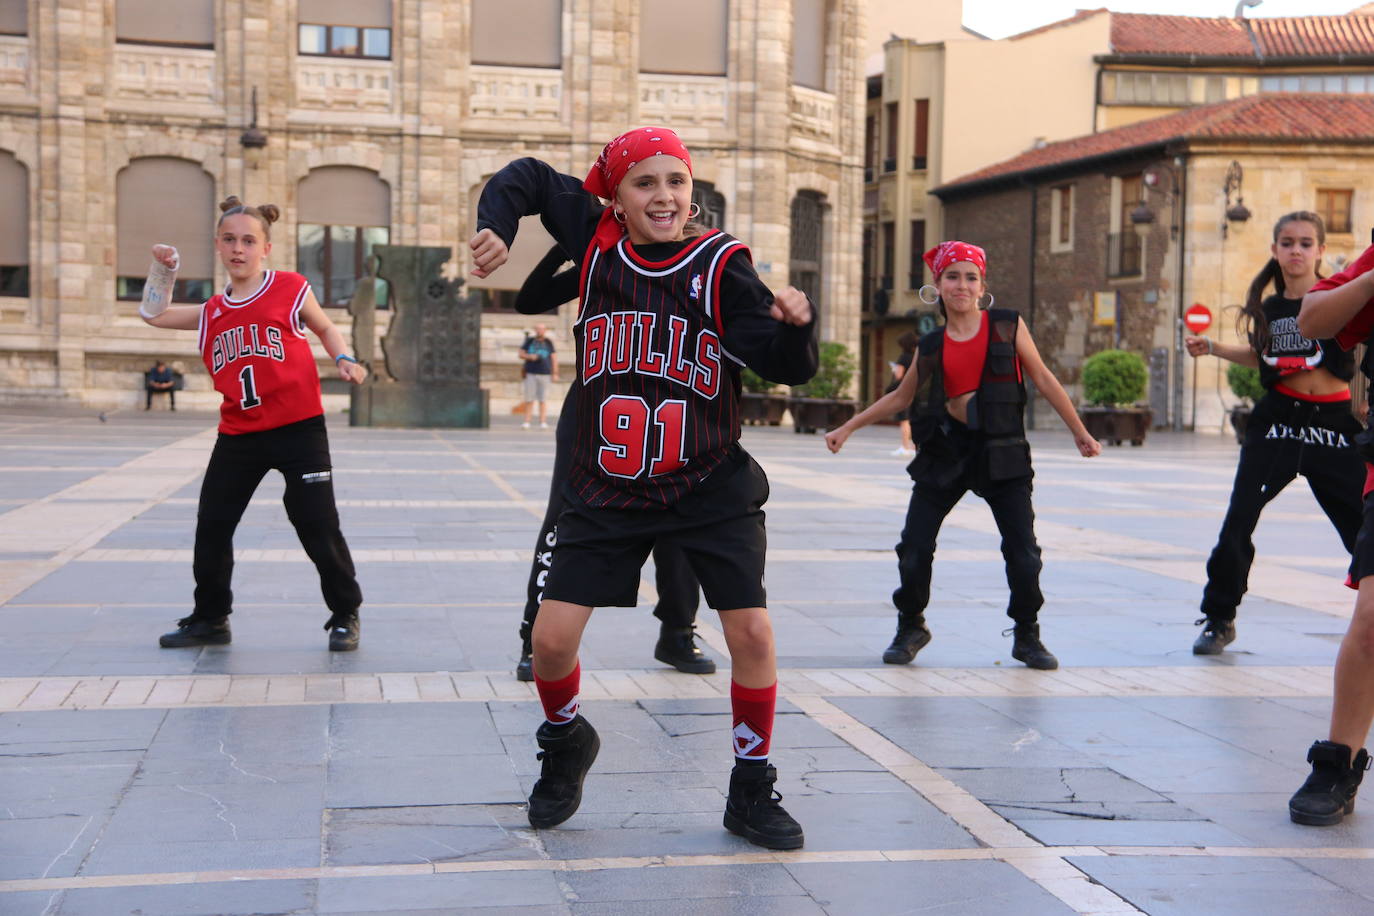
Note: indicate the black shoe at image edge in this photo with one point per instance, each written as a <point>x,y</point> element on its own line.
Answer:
<point>567,753</point>
<point>1328,795</point>
<point>197,631</point>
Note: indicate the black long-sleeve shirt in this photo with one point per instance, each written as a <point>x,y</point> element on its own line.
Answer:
<point>779,352</point>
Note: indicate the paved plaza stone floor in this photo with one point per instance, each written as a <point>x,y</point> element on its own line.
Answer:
<point>270,776</point>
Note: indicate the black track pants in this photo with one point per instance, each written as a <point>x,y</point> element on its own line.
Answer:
<point>300,451</point>
<point>1285,438</point>
<point>679,596</point>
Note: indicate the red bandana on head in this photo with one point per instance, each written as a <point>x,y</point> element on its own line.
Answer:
<point>947,253</point>
<point>620,155</point>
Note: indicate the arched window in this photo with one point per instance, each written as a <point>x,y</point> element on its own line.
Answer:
<point>14,218</point>
<point>517,33</point>
<point>808,243</point>
<point>343,212</point>
<point>532,242</point>
<point>711,202</point>
<point>159,199</point>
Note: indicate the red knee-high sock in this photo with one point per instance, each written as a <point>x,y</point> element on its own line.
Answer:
<point>560,697</point>
<point>753,709</point>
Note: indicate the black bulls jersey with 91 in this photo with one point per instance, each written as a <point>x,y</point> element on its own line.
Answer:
<point>659,404</point>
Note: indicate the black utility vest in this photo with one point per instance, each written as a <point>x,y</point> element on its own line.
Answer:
<point>995,413</point>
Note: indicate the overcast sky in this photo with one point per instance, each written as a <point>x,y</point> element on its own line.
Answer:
<point>1000,18</point>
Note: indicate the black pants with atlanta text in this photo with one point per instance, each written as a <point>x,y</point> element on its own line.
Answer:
<point>679,596</point>
<point>1286,437</point>
<point>935,494</point>
<point>300,451</point>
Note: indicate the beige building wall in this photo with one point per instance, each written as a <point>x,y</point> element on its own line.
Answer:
<point>1277,180</point>
<point>76,107</point>
<point>921,20</point>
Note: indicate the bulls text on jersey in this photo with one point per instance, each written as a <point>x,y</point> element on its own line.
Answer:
<point>623,342</point>
<point>236,343</point>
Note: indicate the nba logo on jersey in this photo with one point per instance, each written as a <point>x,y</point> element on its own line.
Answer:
<point>696,287</point>
<point>746,739</point>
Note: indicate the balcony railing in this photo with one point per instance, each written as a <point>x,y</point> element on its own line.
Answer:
<point>1123,254</point>
<point>161,74</point>
<point>347,84</point>
<point>14,62</point>
<point>677,99</point>
<point>530,94</point>
<point>813,114</point>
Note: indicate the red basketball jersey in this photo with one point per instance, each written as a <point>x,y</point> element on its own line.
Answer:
<point>259,357</point>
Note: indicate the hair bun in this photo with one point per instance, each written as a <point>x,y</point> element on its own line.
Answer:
<point>270,213</point>
<point>230,203</point>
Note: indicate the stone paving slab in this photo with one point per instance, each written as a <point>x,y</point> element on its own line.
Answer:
<point>270,776</point>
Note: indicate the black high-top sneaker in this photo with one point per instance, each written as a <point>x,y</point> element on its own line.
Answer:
<point>568,752</point>
<point>1215,636</point>
<point>912,636</point>
<point>1328,795</point>
<point>524,669</point>
<point>752,810</point>
<point>196,631</point>
<point>1026,647</point>
<point>344,630</point>
<point>677,646</point>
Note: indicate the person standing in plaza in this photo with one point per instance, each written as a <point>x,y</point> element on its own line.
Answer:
<point>970,435</point>
<point>1302,425</point>
<point>541,367</point>
<point>252,339</point>
<point>1342,306</point>
<point>668,313</point>
<point>544,290</point>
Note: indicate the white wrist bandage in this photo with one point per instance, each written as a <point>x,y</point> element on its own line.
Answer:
<point>157,291</point>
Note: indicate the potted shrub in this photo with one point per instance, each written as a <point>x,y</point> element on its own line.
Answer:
<point>759,405</point>
<point>1245,384</point>
<point>820,403</point>
<point>1113,382</point>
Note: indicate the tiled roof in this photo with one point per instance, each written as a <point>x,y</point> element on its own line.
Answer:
<point>1316,117</point>
<point>1291,36</point>
<point>1076,17</point>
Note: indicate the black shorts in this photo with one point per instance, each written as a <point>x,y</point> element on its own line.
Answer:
<point>719,528</point>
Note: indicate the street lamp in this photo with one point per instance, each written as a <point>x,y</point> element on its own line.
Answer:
<point>1237,212</point>
<point>254,138</point>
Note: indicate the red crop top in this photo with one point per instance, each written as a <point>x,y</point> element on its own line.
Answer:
<point>962,360</point>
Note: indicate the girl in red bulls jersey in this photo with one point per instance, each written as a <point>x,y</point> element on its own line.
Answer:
<point>669,314</point>
<point>970,435</point>
<point>1342,306</point>
<point>1302,425</point>
<point>252,339</point>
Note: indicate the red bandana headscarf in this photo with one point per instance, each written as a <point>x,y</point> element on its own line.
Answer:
<point>620,155</point>
<point>947,253</point>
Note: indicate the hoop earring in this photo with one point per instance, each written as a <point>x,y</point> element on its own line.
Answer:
<point>991,300</point>
<point>618,217</point>
<point>694,210</point>
<point>929,299</point>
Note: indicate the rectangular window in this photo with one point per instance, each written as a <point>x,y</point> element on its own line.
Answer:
<point>890,158</point>
<point>1333,206</point>
<point>870,147</point>
<point>918,159</point>
<point>1124,245</point>
<point>333,258</point>
<point>344,41</point>
<point>1061,218</point>
<point>14,280</point>
<point>538,42</point>
<point>670,42</point>
<point>149,22</point>
<point>916,274</point>
<point>889,254</point>
<point>130,289</point>
<point>810,39</point>
<point>14,18</point>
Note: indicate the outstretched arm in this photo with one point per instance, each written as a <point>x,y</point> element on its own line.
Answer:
<point>316,320</point>
<point>885,406</point>
<point>1326,312</point>
<point>1236,353</point>
<point>1053,392</point>
<point>156,308</point>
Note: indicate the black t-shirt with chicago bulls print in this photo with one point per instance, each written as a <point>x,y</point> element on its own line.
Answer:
<point>1289,351</point>
<point>662,332</point>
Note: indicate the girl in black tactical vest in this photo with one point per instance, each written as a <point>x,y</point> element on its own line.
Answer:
<point>1302,425</point>
<point>970,435</point>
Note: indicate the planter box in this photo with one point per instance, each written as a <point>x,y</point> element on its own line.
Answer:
<point>811,414</point>
<point>1117,424</point>
<point>1240,421</point>
<point>762,409</point>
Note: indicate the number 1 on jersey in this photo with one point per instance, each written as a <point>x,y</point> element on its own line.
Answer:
<point>629,445</point>
<point>250,397</point>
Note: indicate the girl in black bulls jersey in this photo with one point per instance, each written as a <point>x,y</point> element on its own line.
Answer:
<point>252,339</point>
<point>1302,425</point>
<point>668,315</point>
<point>969,435</point>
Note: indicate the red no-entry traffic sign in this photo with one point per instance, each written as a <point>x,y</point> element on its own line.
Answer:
<point>1198,318</point>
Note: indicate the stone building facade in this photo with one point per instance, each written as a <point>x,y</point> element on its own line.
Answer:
<point>121,126</point>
